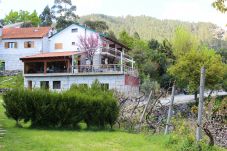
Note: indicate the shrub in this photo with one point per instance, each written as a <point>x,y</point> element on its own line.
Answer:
<point>50,109</point>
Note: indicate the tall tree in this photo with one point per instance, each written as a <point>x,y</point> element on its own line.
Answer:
<point>99,26</point>
<point>64,13</point>
<point>46,17</point>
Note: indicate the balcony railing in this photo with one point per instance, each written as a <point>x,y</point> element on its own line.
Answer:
<point>102,68</point>
<point>116,53</point>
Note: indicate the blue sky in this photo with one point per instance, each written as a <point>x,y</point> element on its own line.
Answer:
<point>186,10</point>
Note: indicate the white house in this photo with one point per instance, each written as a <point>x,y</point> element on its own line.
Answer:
<point>58,61</point>
<point>19,42</point>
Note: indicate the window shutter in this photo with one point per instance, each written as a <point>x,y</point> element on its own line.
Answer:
<point>58,46</point>
<point>32,44</point>
<point>15,44</point>
<point>25,45</point>
<point>6,45</point>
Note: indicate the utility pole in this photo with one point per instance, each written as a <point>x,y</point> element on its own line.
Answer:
<point>170,110</point>
<point>200,109</point>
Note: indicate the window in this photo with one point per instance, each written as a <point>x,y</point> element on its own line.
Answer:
<point>29,44</point>
<point>10,45</point>
<point>105,86</point>
<point>44,85</point>
<point>73,43</point>
<point>56,84</point>
<point>74,30</point>
<point>58,45</point>
<point>29,84</point>
<point>2,66</point>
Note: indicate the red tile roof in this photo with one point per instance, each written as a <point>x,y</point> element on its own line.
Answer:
<point>52,55</point>
<point>30,32</point>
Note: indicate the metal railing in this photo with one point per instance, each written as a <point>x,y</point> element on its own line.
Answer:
<point>116,53</point>
<point>104,68</point>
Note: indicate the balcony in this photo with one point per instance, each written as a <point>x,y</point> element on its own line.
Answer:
<point>74,63</point>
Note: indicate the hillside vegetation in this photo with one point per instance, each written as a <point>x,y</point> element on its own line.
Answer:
<point>151,28</point>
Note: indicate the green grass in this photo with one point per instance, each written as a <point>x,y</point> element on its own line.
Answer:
<point>27,139</point>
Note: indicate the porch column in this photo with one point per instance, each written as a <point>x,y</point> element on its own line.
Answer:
<point>122,63</point>
<point>45,67</point>
<point>73,65</point>
<point>68,66</point>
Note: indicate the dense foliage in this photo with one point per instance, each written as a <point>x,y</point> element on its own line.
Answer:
<point>190,57</point>
<point>46,17</point>
<point>29,19</point>
<point>64,13</point>
<point>94,106</point>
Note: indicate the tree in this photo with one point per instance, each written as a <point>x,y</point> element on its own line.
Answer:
<point>126,39</point>
<point>89,44</point>
<point>153,44</point>
<point>64,13</point>
<point>112,35</point>
<point>12,17</point>
<point>46,17</point>
<point>187,69</point>
<point>136,35</point>
<point>99,26</point>
<point>220,5</point>
<point>183,41</point>
<point>22,16</point>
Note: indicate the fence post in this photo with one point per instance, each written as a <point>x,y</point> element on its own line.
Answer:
<point>200,109</point>
<point>170,110</point>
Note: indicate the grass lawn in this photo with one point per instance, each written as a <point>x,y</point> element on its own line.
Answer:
<point>26,139</point>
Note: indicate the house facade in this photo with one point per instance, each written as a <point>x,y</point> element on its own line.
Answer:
<point>19,42</point>
<point>70,57</point>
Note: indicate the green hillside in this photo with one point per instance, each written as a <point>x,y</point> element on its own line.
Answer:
<point>149,27</point>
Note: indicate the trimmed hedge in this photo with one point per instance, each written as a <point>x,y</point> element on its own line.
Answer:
<point>97,108</point>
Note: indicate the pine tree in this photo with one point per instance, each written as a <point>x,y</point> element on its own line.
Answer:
<point>46,17</point>
<point>64,13</point>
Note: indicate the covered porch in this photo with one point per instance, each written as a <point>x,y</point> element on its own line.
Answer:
<point>73,63</point>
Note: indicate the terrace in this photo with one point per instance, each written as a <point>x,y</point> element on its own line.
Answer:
<point>75,63</point>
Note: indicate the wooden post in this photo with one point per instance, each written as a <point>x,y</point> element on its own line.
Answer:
<point>148,102</point>
<point>200,109</point>
<point>45,67</point>
<point>170,110</point>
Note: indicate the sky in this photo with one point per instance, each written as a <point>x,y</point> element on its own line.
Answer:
<point>185,10</point>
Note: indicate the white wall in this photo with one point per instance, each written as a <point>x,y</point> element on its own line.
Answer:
<point>116,82</point>
<point>66,37</point>
<point>11,56</point>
